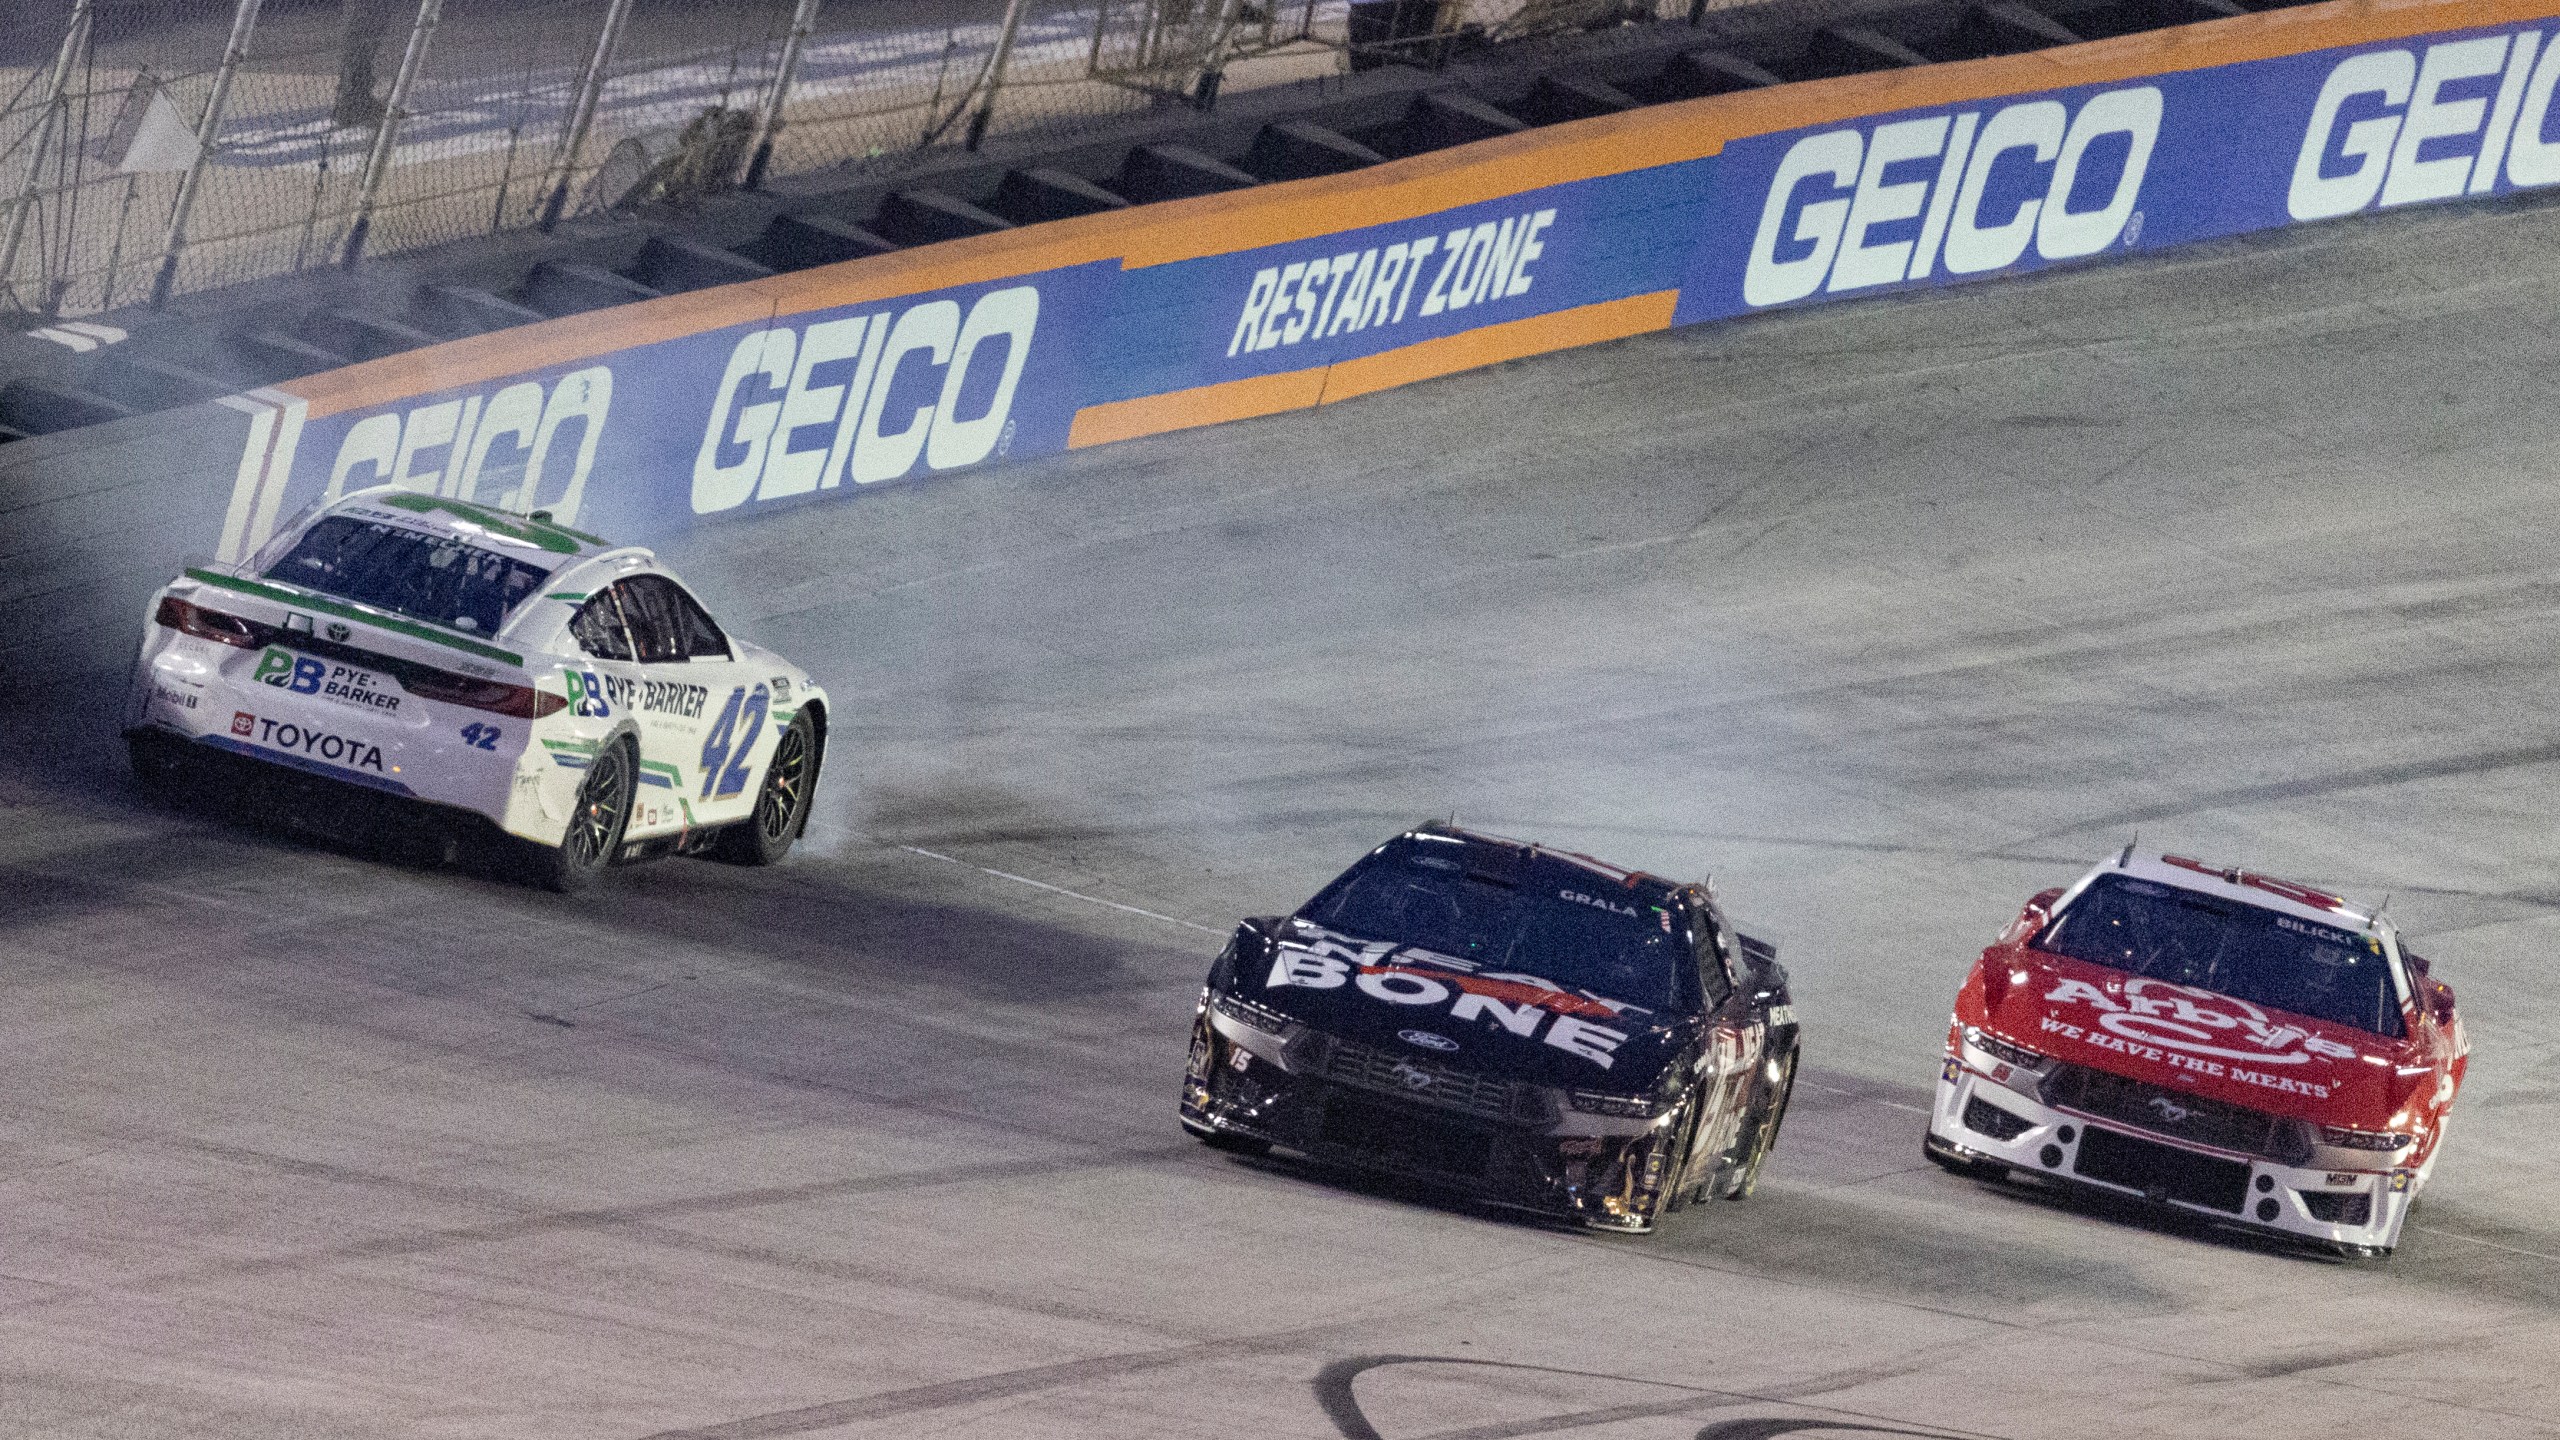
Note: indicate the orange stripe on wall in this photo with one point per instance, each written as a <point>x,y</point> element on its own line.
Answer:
<point>1304,389</point>
<point>1401,190</point>
<point>1186,409</point>
<point>1511,340</point>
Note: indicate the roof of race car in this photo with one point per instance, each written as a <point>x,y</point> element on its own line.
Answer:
<point>2233,883</point>
<point>466,520</point>
<point>1615,875</point>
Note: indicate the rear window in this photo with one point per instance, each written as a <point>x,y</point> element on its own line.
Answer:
<point>434,578</point>
<point>2230,948</point>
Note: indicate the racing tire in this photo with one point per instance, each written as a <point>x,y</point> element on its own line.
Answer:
<point>782,801</point>
<point>1678,1197</point>
<point>159,766</point>
<point>596,822</point>
<point>1765,1124</point>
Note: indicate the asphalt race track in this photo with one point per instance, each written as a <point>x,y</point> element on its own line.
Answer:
<point>1888,615</point>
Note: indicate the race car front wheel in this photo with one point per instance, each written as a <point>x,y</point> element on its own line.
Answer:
<point>596,822</point>
<point>1760,1132</point>
<point>782,802</point>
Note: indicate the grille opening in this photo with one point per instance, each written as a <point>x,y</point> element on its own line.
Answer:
<point>2176,1113</point>
<point>1411,1137</point>
<point>1424,1082</point>
<point>2331,1209</point>
<point>1984,1118</point>
<point>2171,1174</point>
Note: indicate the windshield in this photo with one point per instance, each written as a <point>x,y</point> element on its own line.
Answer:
<point>2230,948</point>
<point>431,577</point>
<point>1547,918</point>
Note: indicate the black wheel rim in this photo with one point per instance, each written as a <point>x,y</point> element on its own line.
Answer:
<point>785,786</point>
<point>599,816</point>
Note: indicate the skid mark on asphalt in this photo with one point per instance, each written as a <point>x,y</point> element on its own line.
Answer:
<point>1337,1394</point>
<point>2313,787</point>
<point>649,1221</point>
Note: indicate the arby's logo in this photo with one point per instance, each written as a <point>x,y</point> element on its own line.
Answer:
<point>2194,1030</point>
<point>2197,1022</point>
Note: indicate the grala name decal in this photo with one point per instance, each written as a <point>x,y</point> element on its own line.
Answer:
<point>1857,209</point>
<point>1597,903</point>
<point>1360,289</point>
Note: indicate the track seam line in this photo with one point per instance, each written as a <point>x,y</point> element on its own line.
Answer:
<point>1060,890</point>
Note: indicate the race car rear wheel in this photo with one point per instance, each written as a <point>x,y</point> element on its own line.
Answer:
<point>782,802</point>
<point>160,764</point>
<point>596,822</point>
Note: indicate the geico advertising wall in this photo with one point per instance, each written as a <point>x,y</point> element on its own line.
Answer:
<point>817,384</point>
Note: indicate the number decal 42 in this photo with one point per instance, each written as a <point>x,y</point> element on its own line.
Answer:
<point>481,736</point>
<point>724,758</point>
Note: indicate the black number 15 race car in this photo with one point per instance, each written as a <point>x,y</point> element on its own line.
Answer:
<point>1524,1027</point>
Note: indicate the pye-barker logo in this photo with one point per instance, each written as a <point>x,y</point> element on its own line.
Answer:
<point>1857,209</point>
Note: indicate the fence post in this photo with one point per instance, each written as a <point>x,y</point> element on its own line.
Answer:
<point>244,21</point>
<point>995,72</point>
<point>74,40</point>
<point>804,18</point>
<point>395,108</point>
<point>1204,91</point>
<point>564,162</point>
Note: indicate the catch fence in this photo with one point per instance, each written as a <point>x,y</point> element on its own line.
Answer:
<point>153,148</point>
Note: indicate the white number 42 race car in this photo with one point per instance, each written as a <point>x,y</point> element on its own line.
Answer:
<point>570,692</point>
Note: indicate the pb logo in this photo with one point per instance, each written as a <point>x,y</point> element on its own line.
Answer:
<point>287,671</point>
<point>586,694</point>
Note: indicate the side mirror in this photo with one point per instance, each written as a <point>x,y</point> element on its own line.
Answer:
<point>2440,1001</point>
<point>2034,917</point>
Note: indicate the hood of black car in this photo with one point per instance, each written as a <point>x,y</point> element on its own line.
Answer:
<point>1424,1006</point>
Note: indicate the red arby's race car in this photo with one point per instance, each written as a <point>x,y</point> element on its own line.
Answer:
<point>2226,1044</point>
